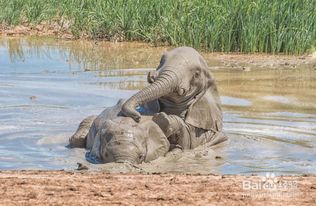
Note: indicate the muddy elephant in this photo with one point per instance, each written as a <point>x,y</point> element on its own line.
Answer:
<point>111,137</point>
<point>186,96</point>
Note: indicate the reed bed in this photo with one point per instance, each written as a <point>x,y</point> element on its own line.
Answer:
<point>269,26</point>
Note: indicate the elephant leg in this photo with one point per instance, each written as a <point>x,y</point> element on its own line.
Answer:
<point>175,129</point>
<point>206,137</point>
<point>169,124</point>
<point>80,137</point>
<point>174,149</point>
<point>183,137</point>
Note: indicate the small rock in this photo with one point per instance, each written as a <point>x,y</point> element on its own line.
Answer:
<point>81,166</point>
<point>246,69</point>
<point>33,98</point>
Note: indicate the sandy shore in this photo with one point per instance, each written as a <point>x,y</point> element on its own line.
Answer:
<point>88,188</point>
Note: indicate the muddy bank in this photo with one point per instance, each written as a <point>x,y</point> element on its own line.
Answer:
<point>43,29</point>
<point>126,55</point>
<point>248,62</point>
<point>84,188</point>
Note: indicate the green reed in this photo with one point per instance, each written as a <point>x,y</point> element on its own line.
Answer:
<point>272,26</point>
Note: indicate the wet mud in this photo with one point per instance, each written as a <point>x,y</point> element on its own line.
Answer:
<point>47,86</point>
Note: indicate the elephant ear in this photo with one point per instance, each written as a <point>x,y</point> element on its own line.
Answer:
<point>206,111</point>
<point>157,143</point>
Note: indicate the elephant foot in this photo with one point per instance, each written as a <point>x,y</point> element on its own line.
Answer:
<point>174,150</point>
<point>80,137</point>
<point>169,124</point>
<point>175,147</point>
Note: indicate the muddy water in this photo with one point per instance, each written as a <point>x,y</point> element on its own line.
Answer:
<point>48,86</point>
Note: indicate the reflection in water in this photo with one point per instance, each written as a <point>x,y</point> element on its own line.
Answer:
<point>269,115</point>
<point>86,55</point>
<point>272,90</point>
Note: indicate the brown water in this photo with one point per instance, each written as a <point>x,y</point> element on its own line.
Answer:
<point>48,86</point>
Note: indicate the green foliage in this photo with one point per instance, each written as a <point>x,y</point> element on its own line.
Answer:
<point>272,26</point>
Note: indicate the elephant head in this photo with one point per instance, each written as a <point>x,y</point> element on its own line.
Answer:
<point>124,140</point>
<point>184,87</point>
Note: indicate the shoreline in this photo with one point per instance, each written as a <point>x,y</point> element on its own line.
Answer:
<point>218,26</point>
<point>92,188</point>
<point>216,60</point>
<point>41,30</point>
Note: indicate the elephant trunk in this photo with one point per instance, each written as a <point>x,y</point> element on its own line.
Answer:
<point>128,154</point>
<point>163,85</point>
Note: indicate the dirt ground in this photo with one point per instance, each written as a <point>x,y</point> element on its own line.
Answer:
<point>96,188</point>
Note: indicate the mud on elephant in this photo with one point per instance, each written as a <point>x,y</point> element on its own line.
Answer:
<point>183,98</point>
<point>186,96</point>
<point>111,137</point>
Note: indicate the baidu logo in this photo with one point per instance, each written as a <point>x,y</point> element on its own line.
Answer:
<point>270,178</point>
<point>269,185</point>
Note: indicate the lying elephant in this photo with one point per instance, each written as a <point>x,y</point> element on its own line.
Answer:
<point>186,97</point>
<point>111,137</point>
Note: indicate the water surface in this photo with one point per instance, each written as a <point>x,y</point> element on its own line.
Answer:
<point>48,86</point>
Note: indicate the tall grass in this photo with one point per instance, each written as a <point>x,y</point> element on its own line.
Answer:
<point>272,26</point>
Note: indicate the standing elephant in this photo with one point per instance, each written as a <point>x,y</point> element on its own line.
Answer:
<point>188,103</point>
<point>111,137</point>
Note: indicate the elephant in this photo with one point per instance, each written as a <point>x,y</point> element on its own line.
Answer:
<point>111,137</point>
<point>180,108</point>
<point>187,102</point>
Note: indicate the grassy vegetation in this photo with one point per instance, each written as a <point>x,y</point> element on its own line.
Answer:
<point>273,26</point>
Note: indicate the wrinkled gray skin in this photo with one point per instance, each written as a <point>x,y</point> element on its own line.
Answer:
<point>113,138</point>
<point>183,98</point>
<point>188,104</point>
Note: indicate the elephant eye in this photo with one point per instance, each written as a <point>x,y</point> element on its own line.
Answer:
<point>141,157</point>
<point>196,74</point>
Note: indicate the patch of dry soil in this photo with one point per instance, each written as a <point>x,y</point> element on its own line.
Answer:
<point>97,188</point>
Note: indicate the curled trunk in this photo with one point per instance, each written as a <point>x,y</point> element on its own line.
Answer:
<point>164,84</point>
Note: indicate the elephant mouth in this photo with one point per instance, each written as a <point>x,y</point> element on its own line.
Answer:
<point>183,97</point>
<point>193,92</point>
